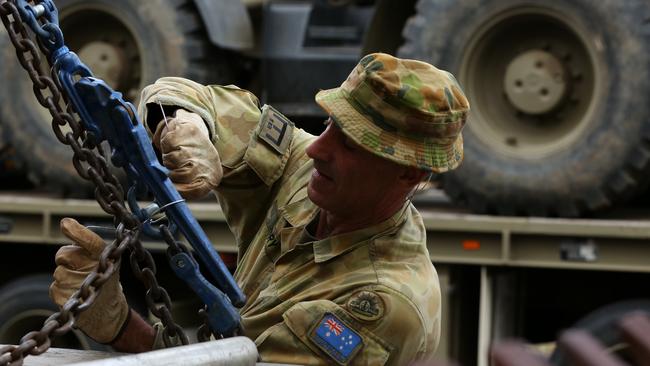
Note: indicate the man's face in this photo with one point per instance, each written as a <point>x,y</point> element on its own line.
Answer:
<point>348,180</point>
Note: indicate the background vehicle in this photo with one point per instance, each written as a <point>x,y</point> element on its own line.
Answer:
<point>559,119</point>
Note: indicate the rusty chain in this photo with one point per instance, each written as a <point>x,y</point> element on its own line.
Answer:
<point>91,164</point>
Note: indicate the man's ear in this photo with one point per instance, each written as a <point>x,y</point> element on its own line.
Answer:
<point>412,176</point>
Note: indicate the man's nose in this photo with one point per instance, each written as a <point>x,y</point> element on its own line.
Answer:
<point>321,148</point>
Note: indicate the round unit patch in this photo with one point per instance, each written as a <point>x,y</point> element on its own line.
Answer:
<point>366,305</point>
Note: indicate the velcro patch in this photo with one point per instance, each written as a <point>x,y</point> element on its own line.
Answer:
<point>336,338</point>
<point>276,129</point>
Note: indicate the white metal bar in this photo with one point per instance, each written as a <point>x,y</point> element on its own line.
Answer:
<point>485,318</point>
<point>236,351</point>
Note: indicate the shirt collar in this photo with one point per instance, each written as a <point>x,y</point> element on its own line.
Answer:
<point>334,246</point>
<point>302,211</point>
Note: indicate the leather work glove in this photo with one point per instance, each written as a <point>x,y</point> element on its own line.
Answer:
<point>193,161</point>
<point>104,319</point>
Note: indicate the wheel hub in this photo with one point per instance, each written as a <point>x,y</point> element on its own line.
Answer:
<point>105,60</point>
<point>534,82</point>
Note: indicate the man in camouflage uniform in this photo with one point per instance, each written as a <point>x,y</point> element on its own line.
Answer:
<point>332,254</point>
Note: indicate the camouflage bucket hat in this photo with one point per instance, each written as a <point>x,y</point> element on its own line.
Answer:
<point>403,110</point>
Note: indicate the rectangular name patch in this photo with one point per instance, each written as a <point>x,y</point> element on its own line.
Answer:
<point>336,339</point>
<point>276,129</point>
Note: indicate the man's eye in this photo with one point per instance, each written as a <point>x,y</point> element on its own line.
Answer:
<point>349,143</point>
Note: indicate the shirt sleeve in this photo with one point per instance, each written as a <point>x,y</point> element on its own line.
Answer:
<point>257,146</point>
<point>323,332</point>
<point>230,113</point>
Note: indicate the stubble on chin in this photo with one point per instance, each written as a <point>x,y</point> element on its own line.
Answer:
<point>316,196</point>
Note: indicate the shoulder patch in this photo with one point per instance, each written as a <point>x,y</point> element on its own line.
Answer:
<point>336,338</point>
<point>276,129</point>
<point>366,305</point>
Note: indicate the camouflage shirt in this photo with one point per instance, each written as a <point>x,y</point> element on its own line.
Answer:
<point>370,296</point>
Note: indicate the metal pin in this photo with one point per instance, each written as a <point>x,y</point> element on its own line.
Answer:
<point>163,113</point>
<point>38,10</point>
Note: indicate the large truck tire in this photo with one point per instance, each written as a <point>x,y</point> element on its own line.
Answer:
<point>129,44</point>
<point>24,307</point>
<point>559,95</point>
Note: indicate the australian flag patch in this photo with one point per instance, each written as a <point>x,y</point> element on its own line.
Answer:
<point>336,339</point>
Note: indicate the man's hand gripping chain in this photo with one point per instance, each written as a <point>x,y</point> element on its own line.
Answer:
<point>103,320</point>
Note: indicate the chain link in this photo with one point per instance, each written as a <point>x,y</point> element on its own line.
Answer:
<point>91,164</point>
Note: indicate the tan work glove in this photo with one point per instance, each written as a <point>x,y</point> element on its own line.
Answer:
<point>104,319</point>
<point>193,161</point>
